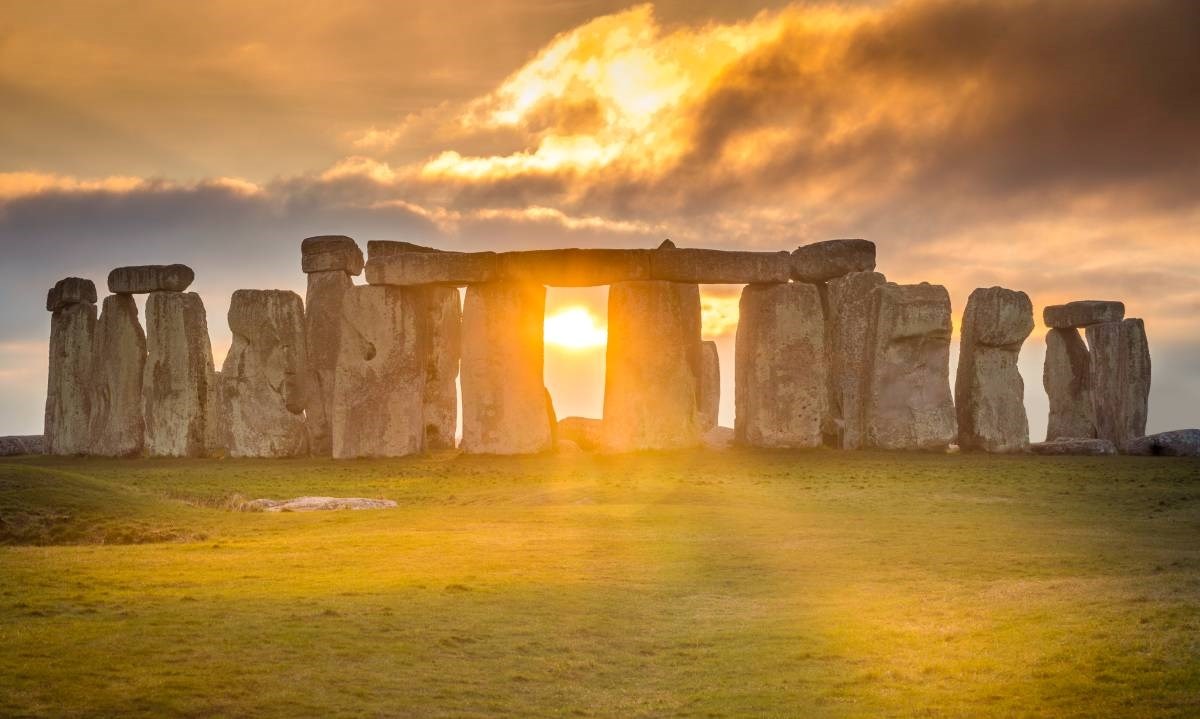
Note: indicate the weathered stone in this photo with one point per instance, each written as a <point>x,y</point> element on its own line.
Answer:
<point>566,446</point>
<point>1176,443</point>
<point>848,323</point>
<point>718,438</point>
<point>442,317</point>
<point>718,266</point>
<point>379,390</point>
<point>317,504</point>
<point>323,329</point>
<point>908,404</point>
<point>178,382</point>
<point>989,393</point>
<point>652,367</point>
<point>1066,377</point>
<point>710,385</point>
<point>1120,379</point>
<point>586,432</point>
<point>781,385</point>
<point>1083,313</point>
<point>70,291</point>
<point>263,377</point>
<point>118,362</point>
<point>383,248</point>
<point>331,253</point>
<point>17,444</point>
<point>574,268</point>
<point>503,396</point>
<point>1074,446</point>
<point>823,261</point>
<point>150,278</point>
<point>68,395</point>
<point>432,268</point>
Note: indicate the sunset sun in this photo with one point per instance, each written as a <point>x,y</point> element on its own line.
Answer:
<point>574,328</point>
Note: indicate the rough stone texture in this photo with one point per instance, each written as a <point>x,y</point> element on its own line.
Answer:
<point>908,404</point>
<point>14,445</point>
<point>781,386</point>
<point>178,382</point>
<point>331,253</point>
<point>1074,446</point>
<point>70,291</point>
<point>1120,379</point>
<point>141,279</point>
<point>823,261</point>
<point>68,395</point>
<point>574,268</point>
<point>652,367</point>
<point>317,504</point>
<point>848,323</point>
<point>379,389</point>
<point>382,248</point>
<point>323,329</point>
<point>989,393</point>
<point>1066,376</point>
<point>432,268</point>
<point>718,438</point>
<point>718,266</point>
<point>263,377</point>
<point>504,400</point>
<point>442,317</point>
<point>586,432</point>
<point>710,385</point>
<point>1176,443</point>
<point>1083,313</point>
<point>118,362</point>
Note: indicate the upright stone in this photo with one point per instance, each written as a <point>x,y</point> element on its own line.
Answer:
<point>781,388</point>
<point>503,394</point>
<point>1066,377</point>
<point>442,317</point>
<point>908,404</point>
<point>263,377</point>
<point>848,324</point>
<point>652,367</point>
<point>118,361</point>
<point>1120,379</point>
<point>177,385</point>
<point>329,261</point>
<point>379,384</point>
<point>710,385</point>
<point>68,399</point>
<point>989,393</point>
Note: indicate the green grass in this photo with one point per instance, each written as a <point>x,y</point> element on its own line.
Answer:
<point>706,585</point>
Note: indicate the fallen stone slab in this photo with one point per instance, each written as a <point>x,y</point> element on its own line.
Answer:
<point>1083,313</point>
<point>1074,446</point>
<point>699,266</point>
<point>14,445</point>
<point>586,432</point>
<point>718,438</point>
<point>1176,443</point>
<point>432,268</point>
<point>823,261</point>
<point>70,291</point>
<point>317,504</point>
<point>141,279</point>
<point>331,253</point>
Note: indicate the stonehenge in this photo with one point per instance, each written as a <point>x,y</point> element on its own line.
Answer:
<point>989,394</point>
<point>1120,379</point>
<point>68,392</point>
<point>1176,443</point>
<point>1067,379</point>
<point>179,382</point>
<point>118,362</point>
<point>150,278</point>
<point>441,324</point>
<point>327,289</point>
<point>849,313</point>
<point>710,385</point>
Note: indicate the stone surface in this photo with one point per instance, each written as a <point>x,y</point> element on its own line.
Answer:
<point>908,404</point>
<point>1066,377</point>
<point>442,324</point>
<point>323,329</point>
<point>331,253</point>
<point>710,385</point>
<point>14,445</point>
<point>141,279</point>
<point>989,394</point>
<point>383,248</point>
<point>823,261</point>
<point>1120,379</point>
<point>503,395</point>
<point>781,385</point>
<point>68,387</point>
<point>178,382</point>
<point>317,504</point>
<point>426,268</point>
<point>848,322</point>
<point>718,266</point>
<point>652,367</point>
<point>379,387</point>
<point>263,376</point>
<point>586,432</point>
<point>1176,443</point>
<point>70,291</point>
<point>1074,446</point>
<point>574,268</point>
<point>118,362</point>
<point>718,438</point>
<point>1083,313</point>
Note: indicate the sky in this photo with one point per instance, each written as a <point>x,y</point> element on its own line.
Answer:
<point>1050,146</point>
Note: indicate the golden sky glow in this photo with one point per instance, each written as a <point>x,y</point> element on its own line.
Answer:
<point>574,328</point>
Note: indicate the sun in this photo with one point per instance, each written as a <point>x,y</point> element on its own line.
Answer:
<point>574,328</point>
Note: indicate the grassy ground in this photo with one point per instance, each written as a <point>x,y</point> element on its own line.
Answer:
<point>734,584</point>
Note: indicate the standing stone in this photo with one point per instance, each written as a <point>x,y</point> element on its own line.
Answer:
<point>379,384</point>
<point>68,398</point>
<point>262,379</point>
<point>710,385</point>
<point>503,394</point>
<point>781,387</point>
<point>118,361</point>
<point>848,324</point>
<point>989,393</point>
<point>908,404</point>
<point>442,318</point>
<point>323,327</point>
<point>1120,379</point>
<point>1066,376</point>
<point>177,385</point>
<point>652,366</point>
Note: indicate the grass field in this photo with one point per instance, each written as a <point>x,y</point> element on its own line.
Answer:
<point>706,585</point>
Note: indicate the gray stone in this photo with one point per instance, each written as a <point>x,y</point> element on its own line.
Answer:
<point>323,328</point>
<point>586,432</point>
<point>823,261</point>
<point>150,278</point>
<point>781,386</point>
<point>1074,446</point>
<point>503,395</point>
<point>14,445</point>
<point>68,393</point>
<point>574,268</point>
<point>70,291</point>
<point>989,393</point>
<point>263,376</point>
<point>178,385</point>
<point>652,367</point>
<point>432,268</point>
<point>908,404</point>
<point>442,317</point>
<point>383,248</point>
<point>848,324</point>
<point>1066,377</point>
<point>331,253</point>
<point>1083,313</point>
<point>718,266</point>
<point>118,362</point>
<point>317,504</point>
<point>1176,443</point>
<point>379,387</point>
<point>710,385</point>
<point>1120,379</point>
